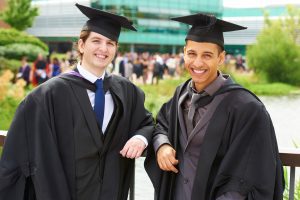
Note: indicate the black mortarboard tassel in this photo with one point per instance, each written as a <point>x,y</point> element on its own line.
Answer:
<point>104,23</point>
<point>207,28</point>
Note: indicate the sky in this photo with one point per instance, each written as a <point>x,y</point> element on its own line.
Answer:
<point>257,3</point>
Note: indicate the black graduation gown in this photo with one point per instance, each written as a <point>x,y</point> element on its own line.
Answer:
<point>239,152</point>
<point>39,151</point>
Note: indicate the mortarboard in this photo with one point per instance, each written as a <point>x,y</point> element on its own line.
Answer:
<point>207,28</point>
<point>104,23</point>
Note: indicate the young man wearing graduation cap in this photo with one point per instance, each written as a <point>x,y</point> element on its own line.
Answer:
<point>75,136</point>
<point>213,138</point>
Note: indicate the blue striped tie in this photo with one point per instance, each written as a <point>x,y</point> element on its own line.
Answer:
<point>99,102</point>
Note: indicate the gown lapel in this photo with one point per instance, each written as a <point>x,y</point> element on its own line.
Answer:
<point>181,119</point>
<point>205,119</point>
<point>86,108</point>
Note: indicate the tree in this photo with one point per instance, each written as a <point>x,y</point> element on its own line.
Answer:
<point>19,14</point>
<point>276,52</point>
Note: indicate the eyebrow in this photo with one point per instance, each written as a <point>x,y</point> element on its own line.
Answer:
<point>98,38</point>
<point>191,50</point>
<point>206,52</point>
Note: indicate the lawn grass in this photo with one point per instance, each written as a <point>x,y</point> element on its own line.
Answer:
<point>261,87</point>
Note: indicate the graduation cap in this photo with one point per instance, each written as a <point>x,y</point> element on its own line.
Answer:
<point>104,23</point>
<point>207,28</point>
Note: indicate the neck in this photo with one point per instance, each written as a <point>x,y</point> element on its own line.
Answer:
<point>96,71</point>
<point>200,87</point>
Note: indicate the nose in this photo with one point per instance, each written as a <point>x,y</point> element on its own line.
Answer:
<point>103,47</point>
<point>198,61</point>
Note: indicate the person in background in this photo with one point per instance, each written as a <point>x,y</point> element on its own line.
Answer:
<point>76,136</point>
<point>55,69</point>
<point>214,139</point>
<point>40,71</point>
<point>24,71</point>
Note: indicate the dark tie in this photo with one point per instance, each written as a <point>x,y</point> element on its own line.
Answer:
<point>99,102</point>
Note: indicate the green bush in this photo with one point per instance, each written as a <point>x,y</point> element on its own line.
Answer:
<point>276,53</point>
<point>18,50</point>
<point>10,64</point>
<point>11,36</point>
<point>7,109</point>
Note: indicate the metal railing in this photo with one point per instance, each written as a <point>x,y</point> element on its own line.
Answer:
<point>289,157</point>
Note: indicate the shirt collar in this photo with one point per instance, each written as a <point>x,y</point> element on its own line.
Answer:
<point>213,87</point>
<point>88,75</point>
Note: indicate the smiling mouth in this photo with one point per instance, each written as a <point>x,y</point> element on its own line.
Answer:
<point>101,56</point>
<point>199,71</point>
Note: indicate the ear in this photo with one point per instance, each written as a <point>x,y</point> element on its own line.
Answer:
<point>81,46</point>
<point>221,58</point>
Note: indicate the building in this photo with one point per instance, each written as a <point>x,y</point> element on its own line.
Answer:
<point>60,22</point>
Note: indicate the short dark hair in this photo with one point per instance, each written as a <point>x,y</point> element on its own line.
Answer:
<point>220,49</point>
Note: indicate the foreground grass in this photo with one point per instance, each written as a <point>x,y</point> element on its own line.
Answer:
<point>157,95</point>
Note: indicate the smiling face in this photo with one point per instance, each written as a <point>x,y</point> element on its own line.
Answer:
<point>97,52</point>
<point>201,60</point>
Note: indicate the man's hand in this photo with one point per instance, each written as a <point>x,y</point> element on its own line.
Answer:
<point>133,148</point>
<point>166,158</point>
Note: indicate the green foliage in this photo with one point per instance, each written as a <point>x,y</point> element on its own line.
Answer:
<point>12,36</point>
<point>7,109</point>
<point>10,64</point>
<point>157,95</point>
<point>292,22</point>
<point>19,14</point>
<point>276,53</point>
<point>18,50</point>
<point>260,86</point>
<point>287,185</point>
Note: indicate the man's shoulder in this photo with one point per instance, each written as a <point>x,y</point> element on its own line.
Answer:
<point>243,99</point>
<point>50,87</point>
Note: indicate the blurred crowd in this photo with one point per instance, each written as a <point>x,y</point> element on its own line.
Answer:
<point>146,68</point>
<point>142,68</point>
<point>41,69</point>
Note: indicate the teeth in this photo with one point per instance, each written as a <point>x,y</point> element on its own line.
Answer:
<point>101,56</point>
<point>199,71</point>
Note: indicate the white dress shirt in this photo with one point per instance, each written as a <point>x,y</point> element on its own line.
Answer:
<point>109,103</point>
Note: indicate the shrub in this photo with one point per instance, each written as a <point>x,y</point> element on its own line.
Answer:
<point>18,50</point>
<point>11,36</point>
<point>276,53</point>
<point>11,64</point>
<point>10,97</point>
<point>8,108</point>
